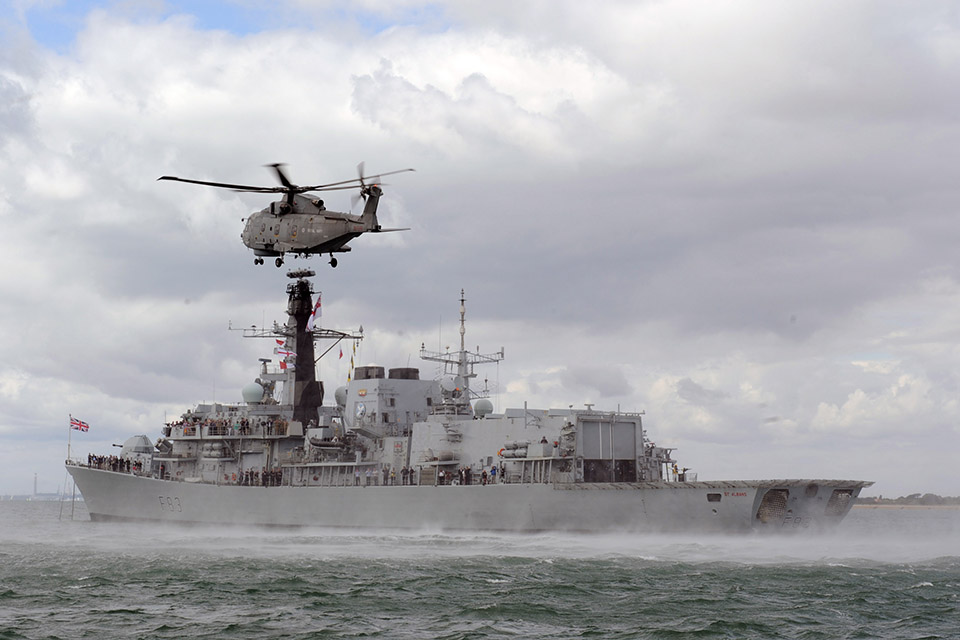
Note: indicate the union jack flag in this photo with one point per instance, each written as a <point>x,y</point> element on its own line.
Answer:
<point>79,425</point>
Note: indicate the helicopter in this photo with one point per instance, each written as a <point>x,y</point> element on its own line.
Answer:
<point>302,225</point>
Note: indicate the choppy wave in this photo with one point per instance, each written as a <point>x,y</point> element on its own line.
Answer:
<point>882,575</point>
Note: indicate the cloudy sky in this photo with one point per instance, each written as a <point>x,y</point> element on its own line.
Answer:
<point>739,217</point>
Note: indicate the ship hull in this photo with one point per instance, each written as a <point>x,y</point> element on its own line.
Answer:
<point>719,507</point>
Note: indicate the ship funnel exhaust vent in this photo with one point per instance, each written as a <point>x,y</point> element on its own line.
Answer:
<point>368,373</point>
<point>774,505</point>
<point>839,502</point>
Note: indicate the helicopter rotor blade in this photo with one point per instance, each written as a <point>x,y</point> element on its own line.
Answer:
<point>226,185</point>
<point>376,178</point>
<point>333,186</point>
<point>282,176</point>
<point>289,187</point>
<point>363,185</point>
<point>352,183</point>
<point>325,188</point>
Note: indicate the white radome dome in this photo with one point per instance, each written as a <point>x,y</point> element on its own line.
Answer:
<point>483,407</point>
<point>252,393</point>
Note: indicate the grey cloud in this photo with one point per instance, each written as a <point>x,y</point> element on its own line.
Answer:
<point>15,116</point>
<point>696,394</point>
<point>608,382</point>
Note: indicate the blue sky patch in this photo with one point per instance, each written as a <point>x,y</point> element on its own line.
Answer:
<point>55,25</point>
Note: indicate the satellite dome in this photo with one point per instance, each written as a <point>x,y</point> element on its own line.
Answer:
<point>252,393</point>
<point>340,396</point>
<point>483,407</point>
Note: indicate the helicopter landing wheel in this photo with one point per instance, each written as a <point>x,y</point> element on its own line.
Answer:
<point>258,261</point>
<point>333,262</point>
<point>279,262</point>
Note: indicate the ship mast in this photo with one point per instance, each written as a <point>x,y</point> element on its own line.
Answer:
<point>461,363</point>
<point>301,389</point>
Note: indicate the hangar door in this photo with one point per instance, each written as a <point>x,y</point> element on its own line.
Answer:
<point>609,451</point>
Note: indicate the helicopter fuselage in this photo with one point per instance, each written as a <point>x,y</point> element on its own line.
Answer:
<point>301,225</point>
<point>305,227</point>
<point>270,232</point>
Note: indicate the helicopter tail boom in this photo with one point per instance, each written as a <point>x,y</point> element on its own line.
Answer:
<point>369,217</point>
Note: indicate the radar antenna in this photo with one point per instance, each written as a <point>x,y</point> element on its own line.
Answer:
<point>462,362</point>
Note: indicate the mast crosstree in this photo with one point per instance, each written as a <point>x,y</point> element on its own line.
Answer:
<point>460,364</point>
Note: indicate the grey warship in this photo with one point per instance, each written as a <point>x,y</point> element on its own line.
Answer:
<point>397,451</point>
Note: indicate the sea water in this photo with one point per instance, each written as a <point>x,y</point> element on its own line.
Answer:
<point>885,573</point>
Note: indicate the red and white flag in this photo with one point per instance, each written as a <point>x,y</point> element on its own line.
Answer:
<point>79,425</point>
<point>317,312</point>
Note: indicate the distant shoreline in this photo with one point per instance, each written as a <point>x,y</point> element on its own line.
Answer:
<point>906,506</point>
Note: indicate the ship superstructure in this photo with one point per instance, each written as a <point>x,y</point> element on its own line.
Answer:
<point>396,450</point>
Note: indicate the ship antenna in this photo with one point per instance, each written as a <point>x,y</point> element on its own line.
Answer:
<point>463,322</point>
<point>464,361</point>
